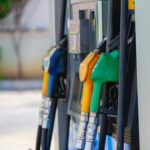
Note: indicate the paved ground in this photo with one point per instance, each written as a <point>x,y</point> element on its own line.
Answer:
<point>18,119</point>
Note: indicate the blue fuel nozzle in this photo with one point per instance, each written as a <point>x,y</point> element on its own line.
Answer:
<point>57,69</point>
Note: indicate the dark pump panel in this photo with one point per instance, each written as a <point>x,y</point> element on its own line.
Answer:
<point>75,86</point>
<point>82,40</point>
<point>92,30</point>
<point>79,36</point>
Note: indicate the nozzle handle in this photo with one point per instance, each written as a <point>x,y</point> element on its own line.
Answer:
<point>97,91</point>
<point>45,84</point>
<point>52,86</point>
<point>86,96</point>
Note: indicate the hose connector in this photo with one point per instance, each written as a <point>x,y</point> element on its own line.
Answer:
<point>82,130</point>
<point>91,131</point>
<point>47,106</point>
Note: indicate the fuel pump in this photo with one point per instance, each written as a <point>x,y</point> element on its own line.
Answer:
<point>127,125</point>
<point>122,74</point>
<point>45,66</point>
<point>47,107</point>
<point>127,119</point>
<point>54,66</point>
<point>105,70</point>
<point>56,89</point>
<point>85,71</point>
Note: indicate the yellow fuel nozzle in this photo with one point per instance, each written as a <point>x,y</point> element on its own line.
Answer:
<point>131,5</point>
<point>85,71</point>
<point>46,64</point>
<point>45,83</point>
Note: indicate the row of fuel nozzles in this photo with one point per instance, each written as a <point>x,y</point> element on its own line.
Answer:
<point>95,70</point>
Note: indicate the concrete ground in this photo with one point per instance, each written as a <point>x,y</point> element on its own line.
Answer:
<point>18,119</point>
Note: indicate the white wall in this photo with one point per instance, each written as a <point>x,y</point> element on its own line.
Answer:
<point>143,70</point>
<point>38,14</point>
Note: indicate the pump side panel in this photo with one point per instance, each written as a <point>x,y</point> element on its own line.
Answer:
<point>143,70</point>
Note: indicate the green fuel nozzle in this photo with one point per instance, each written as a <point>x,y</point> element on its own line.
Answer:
<point>106,70</point>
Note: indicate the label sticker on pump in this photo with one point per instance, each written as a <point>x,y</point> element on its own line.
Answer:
<point>131,5</point>
<point>46,63</point>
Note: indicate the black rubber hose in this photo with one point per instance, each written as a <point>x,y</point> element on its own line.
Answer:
<point>48,132</point>
<point>110,29</point>
<point>44,139</point>
<point>63,19</point>
<point>38,138</point>
<point>67,132</point>
<point>110,23</point>
<point>122,74</point>
<point>103,131</point>
<point>52,121</point>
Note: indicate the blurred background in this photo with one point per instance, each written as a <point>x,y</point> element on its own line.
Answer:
<point>27,31</point>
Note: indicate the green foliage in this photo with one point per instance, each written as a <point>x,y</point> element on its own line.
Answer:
<point>5,7</point>
<point>17,1</point>
<point>2,77</point>
<point>0,53</point>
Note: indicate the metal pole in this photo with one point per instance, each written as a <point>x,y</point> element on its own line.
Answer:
<point>110,27</point>
<point>122,74</point>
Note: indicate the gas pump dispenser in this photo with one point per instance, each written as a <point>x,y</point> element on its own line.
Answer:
<point>45,66</point>
<point>97,90</point>
<point>56,89</point>
<point>53,88</point>
<point>121,125</point>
